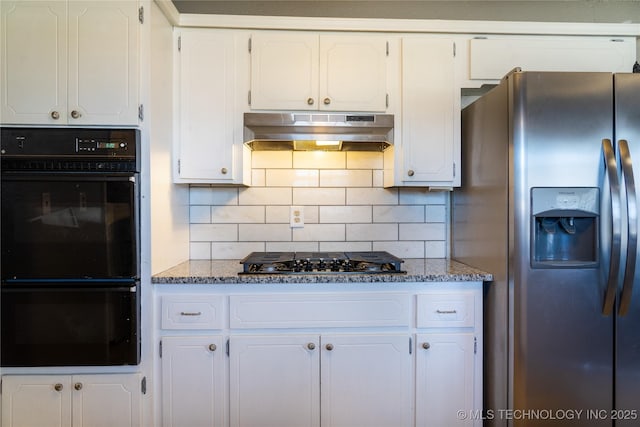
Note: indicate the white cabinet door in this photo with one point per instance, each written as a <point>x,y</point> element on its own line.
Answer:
<point>428,113</point>
<point>275,380</point>
<point>36,401</point>
<point>307,71</point>
<point>103,62</point>
<point>366,380</point>
<point>106,400</point>
<point>444,379</point>
<point>492,58</point>
<point>353,73</point>
<point>63,400</point>
<point>70,62</point>
<point>207,84</point>
<point>34,61</point>
<point>193,381</point>
<point>284,71</point>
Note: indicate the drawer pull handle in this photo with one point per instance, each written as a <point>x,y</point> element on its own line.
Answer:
<point>190,313</point>
<point>446,311</point>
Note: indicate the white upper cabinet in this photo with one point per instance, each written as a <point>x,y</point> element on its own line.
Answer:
<point>429,145</point>
<point>210,148</point>
<point>310,71</point>
<point>70,63</point>
<point>490,58</point>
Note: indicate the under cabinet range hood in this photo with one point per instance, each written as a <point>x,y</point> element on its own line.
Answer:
<point>318,131</point>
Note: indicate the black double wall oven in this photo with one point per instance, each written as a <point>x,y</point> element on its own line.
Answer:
<point>70,247</point>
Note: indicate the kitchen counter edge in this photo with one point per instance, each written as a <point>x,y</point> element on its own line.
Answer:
<point>226,272</point>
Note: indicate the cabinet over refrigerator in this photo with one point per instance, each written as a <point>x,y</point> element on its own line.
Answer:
<point>548,205</point>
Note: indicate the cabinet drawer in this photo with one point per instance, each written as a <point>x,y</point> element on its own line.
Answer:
<point>202,312</point>
<point>448,310</point>
<point>315,310</point>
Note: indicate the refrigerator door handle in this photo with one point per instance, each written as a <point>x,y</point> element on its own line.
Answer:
<point>632,228</point>
<point>614,263</point>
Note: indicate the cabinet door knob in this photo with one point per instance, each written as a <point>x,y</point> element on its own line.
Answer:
<point>224,171</point>
<point>58,387</point>
<point>76,114</point>
<point>329,347</point>
<point>327,101</point>
<point>426,345</point>
<point>311,346</point>
<point>213,347</point>
<point>77,386</point>
<point>55,115</point>
<point>410,172</point>
<point>310,101</point>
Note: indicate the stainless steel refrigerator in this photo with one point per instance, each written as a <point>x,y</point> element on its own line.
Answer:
<point>548,205</point>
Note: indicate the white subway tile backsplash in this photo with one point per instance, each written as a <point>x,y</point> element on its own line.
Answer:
<point>237,214</point>
<point>372,196</point>
<point>401,249</point>
<point>213,232</point>
<point>345,208</point>
<point>420,196</point>
<point>427,231</point>
<point>319,232</point>
<point>258,178</point>
<point>346,178</point>
<point>387,213</point>
<point>436,213</point>
<point>200,250</point>
<point>277,214</point>
<point>292,178</point>
<point>345,246</point>
<point>318,196</point>
<point>199,214</point>
<point>435,249</point>
<point>235,250</point>
<point>292,246</point>
<point>372,232</point>
<point>319,159</point>
<point>264,232</point>
<point>265,196</point>
<point>213,196</point>
<point>272,159</point>
<point>364,160</point>
<point>345,214</point>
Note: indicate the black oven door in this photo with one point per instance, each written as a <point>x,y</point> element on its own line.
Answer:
<point>64,226</point>
<point>69,325</point>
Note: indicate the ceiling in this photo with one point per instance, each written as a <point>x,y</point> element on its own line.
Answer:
<point>601,11</point>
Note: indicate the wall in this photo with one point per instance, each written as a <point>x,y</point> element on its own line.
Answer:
<point>345,209</point>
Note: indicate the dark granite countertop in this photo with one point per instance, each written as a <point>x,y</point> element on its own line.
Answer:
<point>226,272</point>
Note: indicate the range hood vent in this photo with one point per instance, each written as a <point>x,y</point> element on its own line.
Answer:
<point>318,131</point>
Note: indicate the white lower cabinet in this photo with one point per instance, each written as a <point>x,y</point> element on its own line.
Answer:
<point>101,400</point>
<point>341,358</point>
<point>320,380</point>
<point>444,379</point>
<point>193,385</point>
<point>275,380</point>
<point>449,359</point>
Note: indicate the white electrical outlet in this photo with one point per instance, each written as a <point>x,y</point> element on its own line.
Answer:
<point>296,217</point>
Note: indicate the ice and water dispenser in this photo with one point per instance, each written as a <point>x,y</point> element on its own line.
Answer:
<point>564,232</point>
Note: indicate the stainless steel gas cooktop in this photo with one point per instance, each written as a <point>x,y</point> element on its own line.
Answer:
<point>321,263</point>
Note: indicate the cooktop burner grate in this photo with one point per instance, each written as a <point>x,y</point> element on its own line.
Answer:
<point>378,262</point>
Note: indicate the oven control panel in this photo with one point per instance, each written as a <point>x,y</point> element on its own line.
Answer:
<point>106,146</point>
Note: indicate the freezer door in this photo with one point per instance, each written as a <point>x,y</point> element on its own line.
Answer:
<point>627,383</point>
